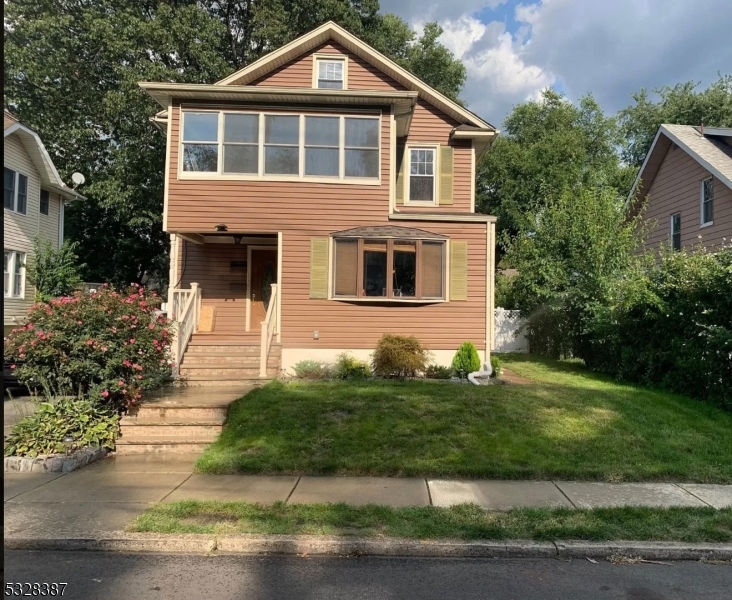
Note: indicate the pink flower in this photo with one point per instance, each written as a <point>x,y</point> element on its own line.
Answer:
<point>78,322</point>
<point>105,393</point>
<point>120,383</point>
<point>126,363</point>
<point>151,326</point>
<point>139,376</point>
<point>132,340</point>
<point>89,342</point>
<point>12,366</point>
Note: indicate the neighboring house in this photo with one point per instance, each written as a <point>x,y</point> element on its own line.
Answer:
<point>687,178</point>
<point>34,206</point>
<point>328,169</point>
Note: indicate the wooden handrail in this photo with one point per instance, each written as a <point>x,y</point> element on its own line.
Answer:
<point>269,326</point>
<point>184,310</point>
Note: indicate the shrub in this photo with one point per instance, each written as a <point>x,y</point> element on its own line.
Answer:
<point>106,344</point>
<point>89,422</point>
<point>398,356</point>
<point>466,359</point>
<point>54,272</point>
<point>311,369</point>
<point>495,366</point>
<point>438,372</point>
<point>348,367</point>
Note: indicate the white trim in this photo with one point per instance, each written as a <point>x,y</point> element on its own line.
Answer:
<point>447,217</point>
<point>702,222</point>
<point>261,175</point>
<point>54,179</point>
<point>279,286</point>
<point>61,208</point>
<point>392,160</point>
<point>325,57</point>
<point>472,176</point>
<point>331,30</point>
<point>434,147</point>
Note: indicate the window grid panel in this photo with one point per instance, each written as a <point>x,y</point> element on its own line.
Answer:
<point>422,175</point>
<point>45,202</point>
<point>9,196</point>
<point>22,196</point>
<point>707,201</point>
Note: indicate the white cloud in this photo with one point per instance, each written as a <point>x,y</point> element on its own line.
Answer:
<point>611,49</point>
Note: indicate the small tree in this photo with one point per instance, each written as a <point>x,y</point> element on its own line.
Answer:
<point>54,272</point>
<point>466,359</point>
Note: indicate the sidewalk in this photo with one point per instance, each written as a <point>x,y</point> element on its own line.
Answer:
<point>109,494</point>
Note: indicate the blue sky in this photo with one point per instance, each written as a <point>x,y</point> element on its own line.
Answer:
<point>513,49</point>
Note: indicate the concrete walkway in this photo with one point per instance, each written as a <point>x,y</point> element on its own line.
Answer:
<point>107,495</point>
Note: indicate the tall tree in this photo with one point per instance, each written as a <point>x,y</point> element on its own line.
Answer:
<point>680,105</point>
<point>548,146</point>
<point>71,73</point>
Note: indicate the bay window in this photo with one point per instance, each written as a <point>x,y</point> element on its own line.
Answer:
<point>391,269</point>
<point>280,145</point>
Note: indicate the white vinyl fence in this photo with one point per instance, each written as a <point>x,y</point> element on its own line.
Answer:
<point>507,337</point>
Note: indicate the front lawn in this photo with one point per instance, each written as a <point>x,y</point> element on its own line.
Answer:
<point>466,522</point>
<point>569,424</point>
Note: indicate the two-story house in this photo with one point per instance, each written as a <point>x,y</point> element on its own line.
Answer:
<point>33,206</point>
<point>687,181</point>
<point>326,169</point>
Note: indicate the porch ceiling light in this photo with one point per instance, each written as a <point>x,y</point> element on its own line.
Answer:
<point>238,239</point>
<point>222,227</point>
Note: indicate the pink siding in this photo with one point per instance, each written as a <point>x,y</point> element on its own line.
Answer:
<point>676,189</point>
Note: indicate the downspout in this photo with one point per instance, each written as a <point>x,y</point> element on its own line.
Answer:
<point>486,372</point>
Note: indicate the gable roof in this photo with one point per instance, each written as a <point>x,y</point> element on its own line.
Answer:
<point>705,145</point>
<point>332,31</point>
<point>50,179</point>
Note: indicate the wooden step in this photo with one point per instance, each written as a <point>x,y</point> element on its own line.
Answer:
<point>218,381</point>
<point>155,431</point>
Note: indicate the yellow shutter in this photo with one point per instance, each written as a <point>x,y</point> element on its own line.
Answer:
<point>319,267</point>
<point>458,270</point>
<point>446,174</point>
<point>401,161</point>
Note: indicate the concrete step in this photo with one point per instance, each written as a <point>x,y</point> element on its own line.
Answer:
<point>195,360</point>
<point>219,349</point>
<point>171,445</point>
<point>231,372</point>
<point>214,381</point>
<point>152,432</point>
<point>180,412</point>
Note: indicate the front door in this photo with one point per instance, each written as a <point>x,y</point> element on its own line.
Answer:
<point>263,275</point>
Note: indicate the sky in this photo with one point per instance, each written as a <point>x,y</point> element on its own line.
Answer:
<point>611,48</point>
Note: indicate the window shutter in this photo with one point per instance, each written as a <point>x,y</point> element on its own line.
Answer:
<point>432,269</point>
<point>319,267</point>
<point>346,268</point>
<point>458,270</point>
<point>446,174</point>
<point>400,166</point>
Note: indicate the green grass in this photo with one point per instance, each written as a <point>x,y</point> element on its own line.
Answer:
<point>569,424</point>
<point>466,522</point>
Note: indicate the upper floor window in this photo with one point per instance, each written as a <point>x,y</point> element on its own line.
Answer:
<point>330,73</point>
<point>16,191</point>
<point>707,201</point>
<point>13,274</point>
<point>422,175</point>
<point>676,231</point>
<point>281,145</point>
<point>45,202</point>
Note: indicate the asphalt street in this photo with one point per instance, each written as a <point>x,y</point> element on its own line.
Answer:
<point>113,576</point>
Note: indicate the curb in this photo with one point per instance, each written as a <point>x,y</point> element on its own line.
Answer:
<point>339,546</point>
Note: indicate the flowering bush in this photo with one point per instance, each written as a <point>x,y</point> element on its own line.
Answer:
<point>105,344</point>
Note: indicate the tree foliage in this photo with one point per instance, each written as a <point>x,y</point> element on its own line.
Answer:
<point>681,104</point>
<point>567,262</point>
<point>548,146</point>
<point>71,73</point>
<point>54,272</point>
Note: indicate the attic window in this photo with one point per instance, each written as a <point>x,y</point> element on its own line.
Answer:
<point>330,73</point>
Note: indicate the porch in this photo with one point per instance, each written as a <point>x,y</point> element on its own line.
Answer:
<point>225,299</point>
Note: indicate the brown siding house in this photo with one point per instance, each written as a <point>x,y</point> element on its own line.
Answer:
<point>329,171</point>
<point>686,181</point>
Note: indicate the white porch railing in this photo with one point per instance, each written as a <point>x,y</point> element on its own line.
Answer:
<point>185,309</point>
<point>270,326</point>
